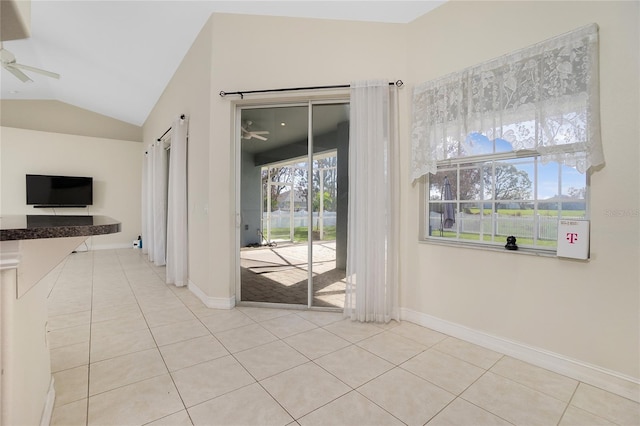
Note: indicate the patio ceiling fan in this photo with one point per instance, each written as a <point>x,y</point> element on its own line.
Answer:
<point>9,63</point>
<point>253,134</point>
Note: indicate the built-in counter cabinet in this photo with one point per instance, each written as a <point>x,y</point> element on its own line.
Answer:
<point>30,247</point>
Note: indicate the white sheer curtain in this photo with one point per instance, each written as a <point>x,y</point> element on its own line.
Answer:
<point>154,207</point>
<point>177,256</point>
<point>372,255</point>
<point>543,98</point>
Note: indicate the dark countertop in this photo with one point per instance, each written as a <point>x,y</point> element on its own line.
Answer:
<point>30,227</point>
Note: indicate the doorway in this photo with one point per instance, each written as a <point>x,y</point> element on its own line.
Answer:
<point>293,203</point>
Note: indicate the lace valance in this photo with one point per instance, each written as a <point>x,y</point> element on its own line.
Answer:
<point>542,98</point>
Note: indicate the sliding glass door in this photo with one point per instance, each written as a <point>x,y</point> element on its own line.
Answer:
<point>293,203</point>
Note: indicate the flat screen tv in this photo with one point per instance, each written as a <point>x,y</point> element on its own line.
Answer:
<point>59,191</point>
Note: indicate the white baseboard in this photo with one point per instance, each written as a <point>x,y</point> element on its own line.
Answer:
<point>212,302</point>
<point>620,384</point>
<point>47,412</point>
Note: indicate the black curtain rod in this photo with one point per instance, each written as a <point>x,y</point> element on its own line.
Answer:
<point>169,129</point>
<point>398,83</point>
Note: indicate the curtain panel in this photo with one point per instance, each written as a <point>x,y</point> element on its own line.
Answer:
<point>164,203</point>
<point>372,255</point>
<point>154,220</point>
<point>543,98</point>
<point>177,248</point>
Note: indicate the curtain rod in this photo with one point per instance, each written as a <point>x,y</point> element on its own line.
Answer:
<point>169,129</point>
<point>398,83</point>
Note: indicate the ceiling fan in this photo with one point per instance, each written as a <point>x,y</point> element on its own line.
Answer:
<point>9,63</point>
<point>249,134</point>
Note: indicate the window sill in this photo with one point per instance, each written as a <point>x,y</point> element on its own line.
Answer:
<point>488,247</point>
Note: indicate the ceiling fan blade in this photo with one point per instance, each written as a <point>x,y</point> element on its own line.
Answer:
<point>261,132</point>
<point>38,70</point>
<point>262,138</point>
<point>19,74</point>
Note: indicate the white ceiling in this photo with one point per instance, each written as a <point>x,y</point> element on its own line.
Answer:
<point>116,57</point>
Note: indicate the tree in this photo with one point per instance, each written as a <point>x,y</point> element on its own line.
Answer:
<point>509,183</point>
<point>577,192</point>
<point>470,183</point>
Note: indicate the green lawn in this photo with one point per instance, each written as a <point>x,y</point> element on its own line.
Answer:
<point>300,234</point>
<point>529,212</point>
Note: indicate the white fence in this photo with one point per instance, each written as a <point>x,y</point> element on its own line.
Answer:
<point>543,227</point>
<point>282,219</point>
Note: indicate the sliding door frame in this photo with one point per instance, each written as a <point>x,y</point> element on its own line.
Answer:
<point>238,107</point>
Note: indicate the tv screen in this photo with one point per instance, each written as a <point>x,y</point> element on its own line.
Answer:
<point>59,191</point>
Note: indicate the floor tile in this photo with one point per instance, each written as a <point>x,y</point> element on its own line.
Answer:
<point>148,305</point>
<point>104,314</point>
<point>72,414</point>
<point>287,325</point>
<point>273,358</point>
<point>71,385</point>
<point>168,316</point>
<point>408,397</point>
<point>293,391</point>
<point>124,370</point>
<point>353,331</point>
<point>473,354</point>
<point>577,417</point>
<point>392,347</point>
<point>316,343</point>
<point>545,381</point>
<point>191,352</point>
<point>461,412</point>
<point>135,404</point>
<point>181,418</point>
<point>68,320</point>
<point>606,405</point>
<point>448,372</point>
<point>178,332</point>
<point>263,314</point>
<point>69,356</point>
<point>321,318</point>
<point>120,344</point>
<point>401,372</point>
<point>223,320</point>
<point>243,338</point>
<point>350,409</point>
<point>210,379</point>
<point>231,409</point>
<point>514,402</point>
<point>353,365</point>
<point>68,336</point>
<point>102,329</point>
<point>420,334</point>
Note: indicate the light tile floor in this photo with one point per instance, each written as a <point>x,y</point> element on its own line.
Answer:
<point>126,349</point>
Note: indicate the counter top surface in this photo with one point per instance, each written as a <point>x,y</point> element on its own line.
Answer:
<point>29,227</point>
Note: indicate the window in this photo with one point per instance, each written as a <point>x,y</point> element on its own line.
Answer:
<point>486,200</point>
<point>506,144</point>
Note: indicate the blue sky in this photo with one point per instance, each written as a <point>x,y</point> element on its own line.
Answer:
<point>477,144</point>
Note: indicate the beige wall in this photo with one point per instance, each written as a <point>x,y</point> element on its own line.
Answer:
<point>59,117</point>
<point>115,166</point>
<point>588,311</point>
<point>584,311</point>
<point>252,52</point>
<point>227,56</point>
<point>189,93</point>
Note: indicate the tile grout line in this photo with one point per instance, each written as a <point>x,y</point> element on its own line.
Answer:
<point>155,341</point>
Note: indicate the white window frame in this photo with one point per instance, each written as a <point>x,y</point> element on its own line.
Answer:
<point>455,165</point>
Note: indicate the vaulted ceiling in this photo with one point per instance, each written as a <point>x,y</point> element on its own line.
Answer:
<point>116,57</point>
